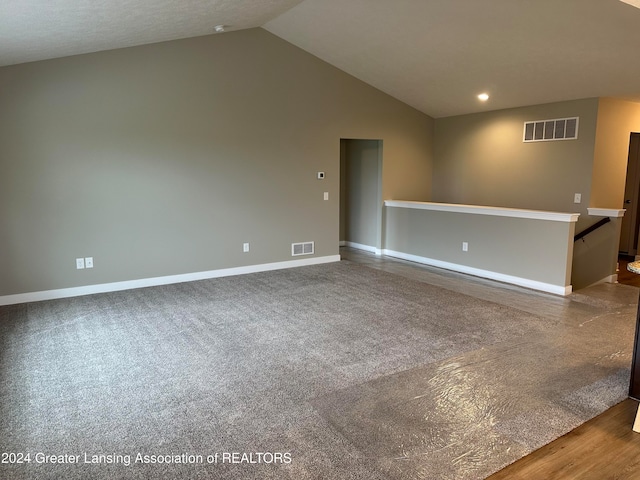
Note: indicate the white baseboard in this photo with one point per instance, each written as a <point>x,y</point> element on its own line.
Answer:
<point>360,246</point>
<point>501,277</point>
<point>156,281</point>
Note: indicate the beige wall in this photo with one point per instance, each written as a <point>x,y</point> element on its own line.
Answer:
<point>481,159</point>
<point>163,159</point>
<point>616,120</point>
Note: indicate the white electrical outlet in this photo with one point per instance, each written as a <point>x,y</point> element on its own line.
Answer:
<point>326,195</point>
<point>79,263</point>
<point>577,198</point>
<point>88,262</point>
<point>245,247</point>
<point>465,246</point>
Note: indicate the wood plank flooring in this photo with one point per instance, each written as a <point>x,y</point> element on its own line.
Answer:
<point>604,448</point>
<point>625,276</point>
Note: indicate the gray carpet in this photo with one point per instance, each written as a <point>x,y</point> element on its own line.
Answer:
<point>331,372</point>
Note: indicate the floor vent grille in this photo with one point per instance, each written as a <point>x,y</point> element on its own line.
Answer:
<point>304,248</point>
<point>549,130</point>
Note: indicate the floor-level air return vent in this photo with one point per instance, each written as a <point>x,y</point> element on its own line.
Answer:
<point>549,130</point>
<point>304,248</point>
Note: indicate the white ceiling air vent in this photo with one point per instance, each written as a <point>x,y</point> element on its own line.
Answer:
<point>304,248</point>
<point>549,130</point>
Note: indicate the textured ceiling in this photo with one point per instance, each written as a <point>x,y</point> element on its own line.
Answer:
<point>435,55</point>
<point>41,29</point>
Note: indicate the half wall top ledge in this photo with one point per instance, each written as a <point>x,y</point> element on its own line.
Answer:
<point>486,210</point>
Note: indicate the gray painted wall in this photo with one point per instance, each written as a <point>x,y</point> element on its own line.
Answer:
<point>595,256</point>
<point>164,159</point>
<point>480,159</point>
<point>538,250</point>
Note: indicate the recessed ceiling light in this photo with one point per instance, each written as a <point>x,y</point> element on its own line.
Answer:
<point>219,28</point>
<point>483,97</point>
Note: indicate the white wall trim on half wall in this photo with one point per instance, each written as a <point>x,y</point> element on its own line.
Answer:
<point>477,272</point>
<point>485,210</point>
<point>606,212</point>
<point>157,281</point>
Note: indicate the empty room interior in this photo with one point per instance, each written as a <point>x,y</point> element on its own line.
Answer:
<point>315,239</point>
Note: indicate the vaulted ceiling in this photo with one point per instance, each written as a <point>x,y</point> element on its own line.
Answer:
<point>436,55</point>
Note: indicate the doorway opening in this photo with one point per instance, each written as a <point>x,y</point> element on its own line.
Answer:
<point>631,221</point>
<point>361,194</point>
